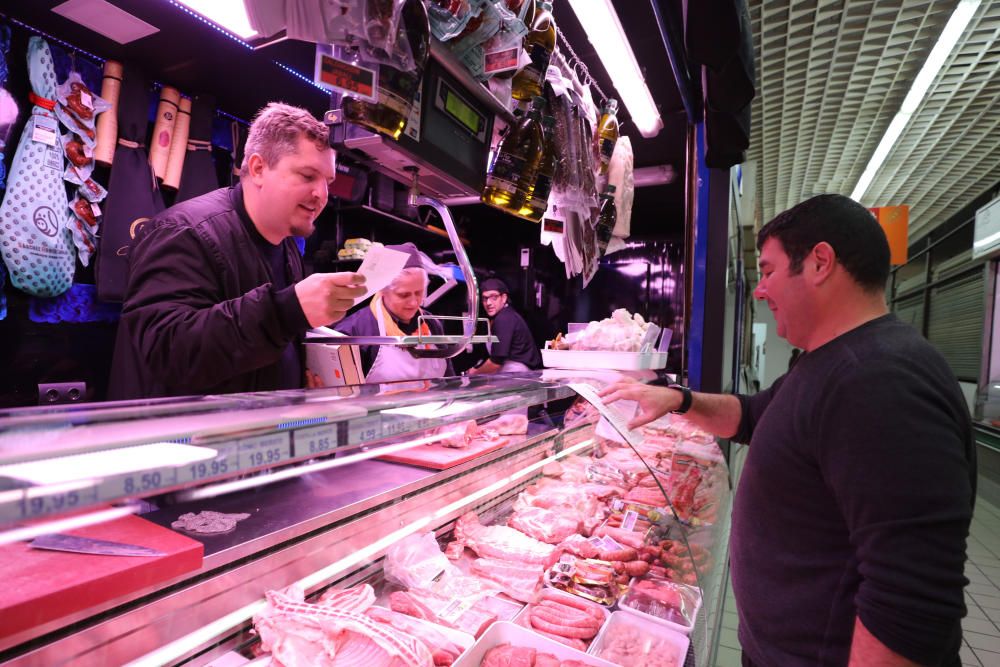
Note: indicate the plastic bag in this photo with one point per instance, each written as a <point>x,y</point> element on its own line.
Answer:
<point>416,562</point>
<point>449,18</point>
<point>79,107</point>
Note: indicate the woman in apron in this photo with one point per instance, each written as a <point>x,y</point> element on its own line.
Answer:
<point>395,311</point>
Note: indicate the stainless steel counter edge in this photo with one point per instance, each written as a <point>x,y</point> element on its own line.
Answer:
<point>145,627</point>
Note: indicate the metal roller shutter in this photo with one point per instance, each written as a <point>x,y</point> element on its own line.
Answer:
<point>911,311</point>
<point>955,323</point>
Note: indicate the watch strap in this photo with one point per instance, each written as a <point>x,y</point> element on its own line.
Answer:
<point>686,398</point>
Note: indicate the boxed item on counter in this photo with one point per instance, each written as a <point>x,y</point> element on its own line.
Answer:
<point>531,644</point>
<point>565,618</point>
<point>632,641</point>
<point>334,365</point>
<point>667,602</point>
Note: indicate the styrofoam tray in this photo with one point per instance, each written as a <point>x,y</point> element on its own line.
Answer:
<point>508,633</point>
<point>523,619</point>
<point>675,644</point>
<point>684,629</point>
<point>596,359</point>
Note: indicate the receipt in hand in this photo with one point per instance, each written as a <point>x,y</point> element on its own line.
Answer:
<point>379,267</point>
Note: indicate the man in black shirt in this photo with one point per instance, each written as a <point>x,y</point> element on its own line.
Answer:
<point>851,517</point>
<point>516,350</point>
<point>216,301</point>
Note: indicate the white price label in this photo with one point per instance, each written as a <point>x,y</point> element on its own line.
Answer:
<point>628,521</point>
<point>46,130</point>
<point>315,440</point>
<point>365,429</point>
<point>96,209</point>
<point>86,99</point>
<point>264,450</point>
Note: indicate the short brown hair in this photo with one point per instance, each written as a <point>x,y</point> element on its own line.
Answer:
<point>275,131</point>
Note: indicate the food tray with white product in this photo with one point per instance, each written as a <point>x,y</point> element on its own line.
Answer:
<point>633,641</point>
<point>622,342</point>
<point>663,602</point>
<point>569,617</point>
<point>514,635</point>
<point>596,359</point>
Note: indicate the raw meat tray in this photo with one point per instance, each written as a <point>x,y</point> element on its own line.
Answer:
<point>597,359</point>
<point>508,633</point>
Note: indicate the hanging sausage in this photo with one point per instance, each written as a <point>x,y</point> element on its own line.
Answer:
<point>178,146</point>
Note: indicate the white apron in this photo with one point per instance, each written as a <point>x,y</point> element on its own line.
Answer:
<point>508,366</point>
<point>393,363</point>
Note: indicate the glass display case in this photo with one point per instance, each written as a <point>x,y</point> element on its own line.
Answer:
<point>213,529</point>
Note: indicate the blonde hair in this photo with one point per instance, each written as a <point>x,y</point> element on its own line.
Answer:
<point>275,131</point>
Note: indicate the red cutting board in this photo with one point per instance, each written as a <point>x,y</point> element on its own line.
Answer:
<point>440,457</point>
<point>40,586</point>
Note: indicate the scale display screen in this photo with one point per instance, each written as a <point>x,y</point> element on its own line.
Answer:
<point>460,111</point>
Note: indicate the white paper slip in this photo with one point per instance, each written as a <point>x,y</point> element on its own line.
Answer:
<point>616,419</point>
<point>379,267</point>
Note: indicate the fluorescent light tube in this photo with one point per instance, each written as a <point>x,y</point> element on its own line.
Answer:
<point>921,84</point>
<point>230,14</point>
<point>604,31</point>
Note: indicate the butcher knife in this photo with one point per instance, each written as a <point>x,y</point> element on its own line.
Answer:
<point>89,545</point>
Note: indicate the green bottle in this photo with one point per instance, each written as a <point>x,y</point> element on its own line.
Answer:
<point>516,162</point>
<point>538,202</point>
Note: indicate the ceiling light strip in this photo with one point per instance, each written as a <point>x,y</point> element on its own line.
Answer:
<point>605,33</point>
<point>956,25</point>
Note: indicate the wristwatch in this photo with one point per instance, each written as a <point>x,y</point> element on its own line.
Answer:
<point>686,398</point>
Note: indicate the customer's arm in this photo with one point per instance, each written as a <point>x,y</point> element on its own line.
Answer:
<point>894,451</point>
<point>867,651</point>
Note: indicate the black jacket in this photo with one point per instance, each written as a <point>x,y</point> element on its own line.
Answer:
<point>200,314</point>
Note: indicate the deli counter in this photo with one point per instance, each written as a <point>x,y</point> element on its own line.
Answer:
<point>213,530</point>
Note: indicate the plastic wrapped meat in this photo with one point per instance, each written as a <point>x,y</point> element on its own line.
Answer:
<point>510,424</point>
<point>549,526</point>
<point>631,647</point>
<point>501,542</point>
<point>443,650</point>
<point>621,332</point>
<point>517,579</point>
<point>301,634</point>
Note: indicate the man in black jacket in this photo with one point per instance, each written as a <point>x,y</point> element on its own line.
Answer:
<point>853,509</point>
<point>216,299</point>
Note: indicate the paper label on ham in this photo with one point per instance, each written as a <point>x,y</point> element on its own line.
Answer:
<point>608,544</point>
<point>628,522</point>
<point>46,130</point>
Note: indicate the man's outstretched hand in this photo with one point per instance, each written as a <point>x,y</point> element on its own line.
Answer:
<point>653,401</point>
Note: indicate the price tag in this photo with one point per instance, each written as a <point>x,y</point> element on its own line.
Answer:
<point>32,503</point>
<point>628,521</point>
<point>46,130</point>
<point>138,483</point>
<point>315,440</point>
<point>223,464</point>
<point>365,429</point>
<point>96,209</point>
<point>614,418</point>
<point>264,450</point>
<point>501,60</point>
<point>395,426</point>
<point>336,74</point>
<point>610,545</point>
<point>86,100</point>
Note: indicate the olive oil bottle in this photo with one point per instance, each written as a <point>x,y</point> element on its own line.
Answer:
<point>538,201</point>
<point>539,43</point>
<point>396,90</point>
<point>606,220</point>
<point>515,164</point>
<point>606,135</point>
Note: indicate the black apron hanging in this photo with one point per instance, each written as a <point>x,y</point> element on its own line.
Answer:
<point>239,143</point>
<point>199,175</point>
<point>133,196</point>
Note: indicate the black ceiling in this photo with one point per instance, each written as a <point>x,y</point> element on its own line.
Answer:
<point>194,57</point>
